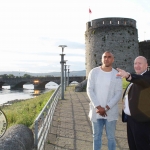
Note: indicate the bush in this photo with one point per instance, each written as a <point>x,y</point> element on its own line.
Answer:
<point>125,83</point>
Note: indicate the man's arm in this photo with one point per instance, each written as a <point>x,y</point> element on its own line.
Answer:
<point>117,95</point>
<point>90,89</point>
<point>90,92</point>
<point>142,80</point>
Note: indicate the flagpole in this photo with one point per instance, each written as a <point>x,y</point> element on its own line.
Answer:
<point>89,13</point>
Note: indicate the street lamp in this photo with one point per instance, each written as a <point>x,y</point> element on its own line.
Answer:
<point>62,71</point>
<point>65,82</point>
<point>68,74</point>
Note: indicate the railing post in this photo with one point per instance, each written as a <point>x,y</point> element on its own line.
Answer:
<point>36,134</point>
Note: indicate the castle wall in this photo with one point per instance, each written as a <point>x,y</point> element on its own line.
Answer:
<point>117,35</point>
<point>144,50</point>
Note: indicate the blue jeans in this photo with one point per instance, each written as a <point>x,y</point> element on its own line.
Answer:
<point>110,128</point>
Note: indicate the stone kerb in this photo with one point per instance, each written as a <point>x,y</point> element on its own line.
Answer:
<point>17,137</point>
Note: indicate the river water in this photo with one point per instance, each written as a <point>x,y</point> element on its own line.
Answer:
<point>28,92</point>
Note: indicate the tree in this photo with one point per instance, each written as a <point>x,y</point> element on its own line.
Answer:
<point>26,76</point>
<point>4,76</point>
<point>11,76</point>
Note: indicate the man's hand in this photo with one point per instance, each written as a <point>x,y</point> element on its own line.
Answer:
<point>123,74</point>
<point>107,107</point>
<point>101,111</point>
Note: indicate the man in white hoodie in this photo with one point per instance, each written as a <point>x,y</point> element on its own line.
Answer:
<point>104,90</point>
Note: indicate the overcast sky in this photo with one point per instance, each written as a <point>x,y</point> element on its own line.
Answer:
<point>32,30</point>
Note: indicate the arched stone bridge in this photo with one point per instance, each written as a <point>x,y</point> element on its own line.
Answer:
<point>38,82</point>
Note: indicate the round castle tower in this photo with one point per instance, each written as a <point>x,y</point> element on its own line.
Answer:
<point>117,35</point>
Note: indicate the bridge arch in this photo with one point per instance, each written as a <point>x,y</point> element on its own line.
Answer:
<point>38,82</point>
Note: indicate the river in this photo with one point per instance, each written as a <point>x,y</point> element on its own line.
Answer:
<point>28,92</point>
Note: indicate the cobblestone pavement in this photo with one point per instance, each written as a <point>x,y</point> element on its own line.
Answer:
<point>71,128</point>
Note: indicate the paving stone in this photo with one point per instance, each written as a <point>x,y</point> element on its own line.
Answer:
<point>71,128</point>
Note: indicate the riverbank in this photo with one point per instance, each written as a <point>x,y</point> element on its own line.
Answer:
<point>10,102</point>
<point>27,92</point>
<point>18,100</point>
<point>25,111</point>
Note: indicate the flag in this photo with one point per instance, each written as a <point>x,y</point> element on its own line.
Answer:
<point>90,11</point>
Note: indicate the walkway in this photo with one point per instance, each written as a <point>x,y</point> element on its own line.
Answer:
<point>71,128</point>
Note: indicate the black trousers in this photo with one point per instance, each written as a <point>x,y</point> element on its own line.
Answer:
<point>138,134</point>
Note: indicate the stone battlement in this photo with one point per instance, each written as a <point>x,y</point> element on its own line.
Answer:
<point>111,22</point>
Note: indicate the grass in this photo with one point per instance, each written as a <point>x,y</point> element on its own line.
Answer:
<point>25,112</point>
<point>124,83</point>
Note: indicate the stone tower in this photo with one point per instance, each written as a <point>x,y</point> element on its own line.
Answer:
<point>117,35</point>
<point>144,50</point>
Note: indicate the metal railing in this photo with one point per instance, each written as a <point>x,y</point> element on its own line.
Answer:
<point>44,119</point>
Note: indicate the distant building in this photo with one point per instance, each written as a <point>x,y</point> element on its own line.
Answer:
<point>144,50</point>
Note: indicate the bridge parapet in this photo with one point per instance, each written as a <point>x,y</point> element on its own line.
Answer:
<point>38,82</point>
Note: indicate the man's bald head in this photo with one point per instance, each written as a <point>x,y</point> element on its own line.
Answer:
<point>109,53</point>
<point>142,58</point>
<point>107,59</point>
<point>140,64</point>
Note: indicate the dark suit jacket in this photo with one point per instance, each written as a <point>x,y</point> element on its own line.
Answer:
<point>139,97</point>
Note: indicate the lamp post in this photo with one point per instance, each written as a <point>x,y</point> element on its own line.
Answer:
<point>62,71</point>
<point>65,82</point>
<point>68,75</point>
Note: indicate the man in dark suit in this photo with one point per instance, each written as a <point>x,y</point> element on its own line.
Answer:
<point>138,122</point>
